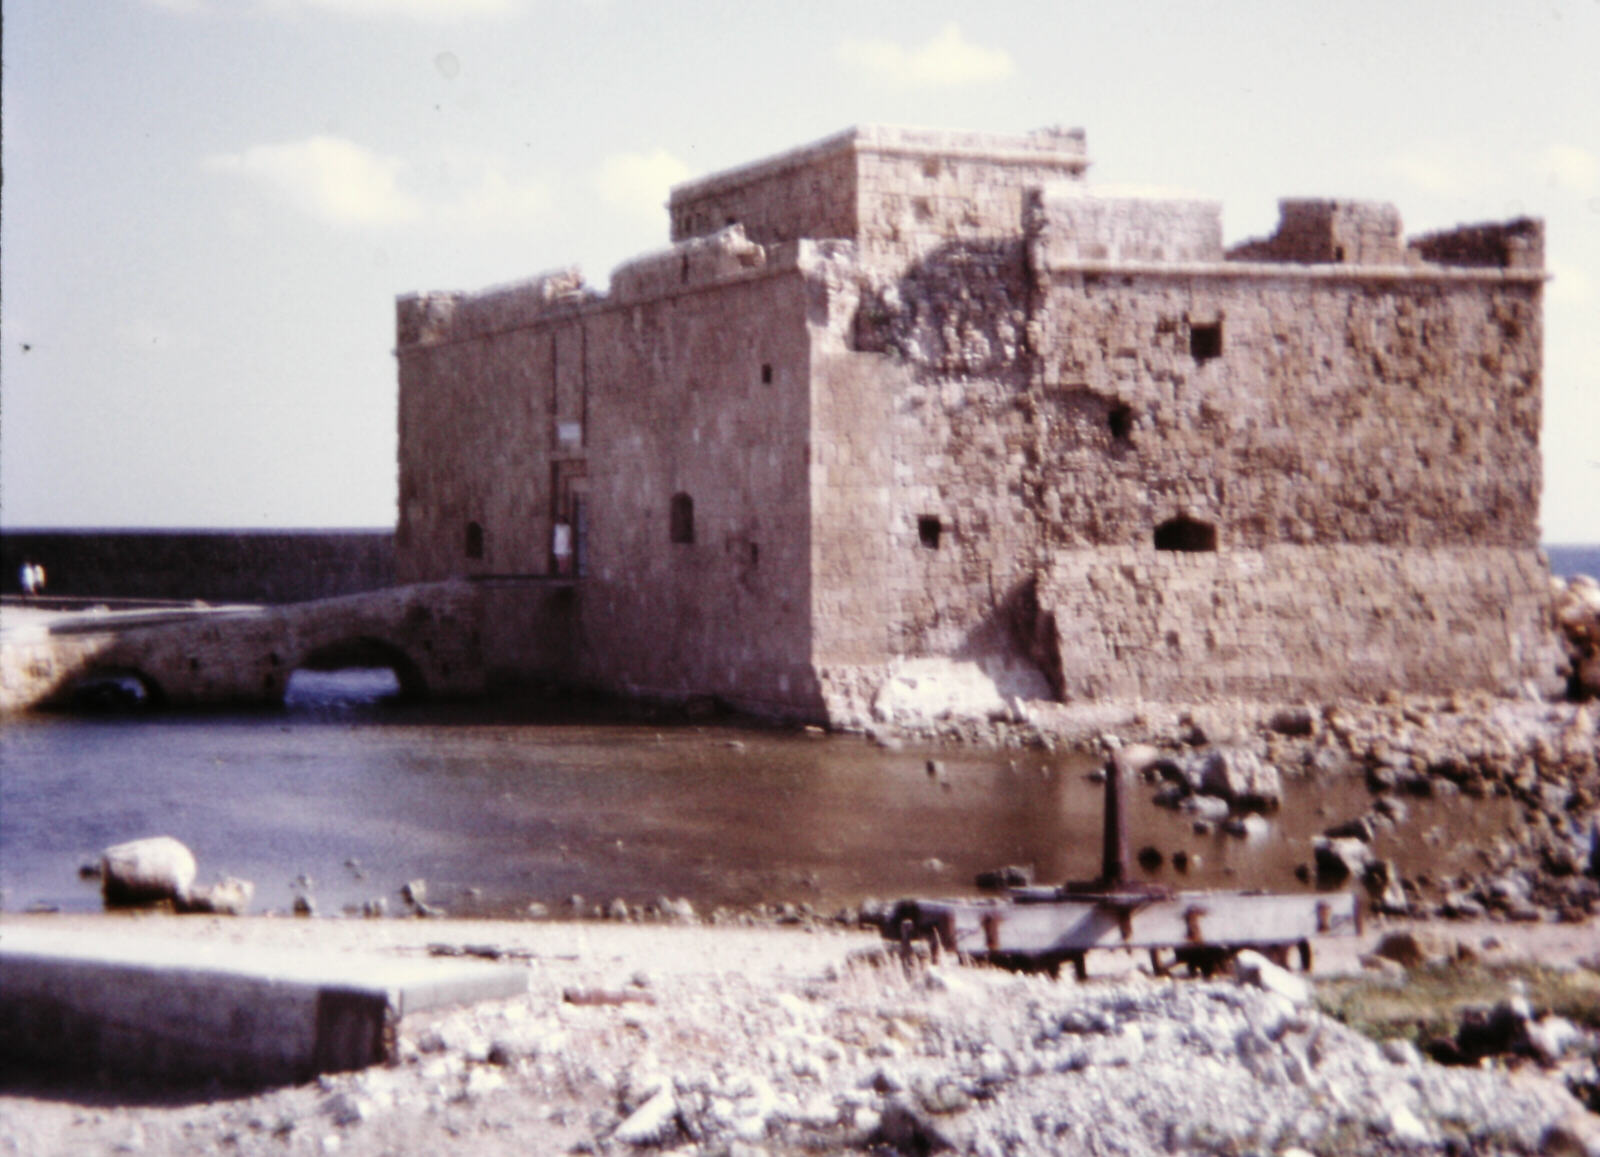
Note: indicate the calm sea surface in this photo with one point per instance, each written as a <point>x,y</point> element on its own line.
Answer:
<point>1566,561</point>
<point>497,807</point>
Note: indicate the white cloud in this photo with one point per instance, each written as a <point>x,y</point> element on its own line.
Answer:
<point>1437,170</point>
<point>639,182</point>
<point>328,178</point>
<point>947,59</point>
<point>404,9</point>
<point>341,183</point>
<point>490,199</point>
<point>1571,168</point>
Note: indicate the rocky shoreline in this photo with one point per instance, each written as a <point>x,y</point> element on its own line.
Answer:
<point>705,1041</point>
<point>650,1030</point>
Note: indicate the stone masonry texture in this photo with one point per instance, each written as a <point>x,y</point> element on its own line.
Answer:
<point>907,393</point>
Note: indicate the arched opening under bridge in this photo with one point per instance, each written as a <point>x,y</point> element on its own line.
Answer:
<point>110,690</point>
<point>362,669</point>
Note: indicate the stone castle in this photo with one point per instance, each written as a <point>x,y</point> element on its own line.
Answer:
<point>906,395</point>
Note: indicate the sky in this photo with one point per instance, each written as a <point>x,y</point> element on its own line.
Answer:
<point>209,206</point>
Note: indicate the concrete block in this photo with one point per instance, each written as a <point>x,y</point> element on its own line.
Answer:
<point>159,1010</point>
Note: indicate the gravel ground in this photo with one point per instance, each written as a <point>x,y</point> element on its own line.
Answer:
<point>747,1041</point>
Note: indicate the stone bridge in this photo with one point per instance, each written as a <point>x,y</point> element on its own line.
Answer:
<point>430,635</point>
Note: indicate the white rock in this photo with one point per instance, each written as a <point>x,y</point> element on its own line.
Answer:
<point>347,1109</point>
<point>1404,1126</point>
<point>1552,1037</point>
<point>1238,775</point>
<point>230,896</point>
<point>652,1122</point>
<point>1207,807</point>
<point>146,871</point>
<point>1401,1052</point>
<point>1255,969</point>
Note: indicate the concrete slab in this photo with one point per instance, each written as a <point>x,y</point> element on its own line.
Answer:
<point>170,1010</point>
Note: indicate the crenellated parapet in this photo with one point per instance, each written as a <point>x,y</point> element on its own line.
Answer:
<point>429,318</point>
<point>1517,244</point>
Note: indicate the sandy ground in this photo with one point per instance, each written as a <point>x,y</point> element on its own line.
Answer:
<point>602,951</point>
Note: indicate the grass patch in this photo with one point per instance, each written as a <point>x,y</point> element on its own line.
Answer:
<point>1427,1003</point>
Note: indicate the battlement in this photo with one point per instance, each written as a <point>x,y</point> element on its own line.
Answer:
<point>896,190</point>
<point>427,318</point>
<point>1517,244</point>
<point>1329,232</point>
<point>1067,225</point>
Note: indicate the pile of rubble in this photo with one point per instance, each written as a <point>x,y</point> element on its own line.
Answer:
<point>720,1054</point>
<point>1577,612</point>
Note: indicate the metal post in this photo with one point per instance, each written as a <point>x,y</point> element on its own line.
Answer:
<point>1114,863</point>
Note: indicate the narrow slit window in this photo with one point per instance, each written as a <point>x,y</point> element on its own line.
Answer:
<point>682,518</point>
<point>474,543</point>
<point>929,529</point>
<point>766,373</point>
<point>1120,419</point>
<point>1205,341</point>
<point>1186,534</point>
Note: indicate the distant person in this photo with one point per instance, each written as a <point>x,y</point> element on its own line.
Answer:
<point>38,577</point>
<point>562,548</point>
<point>28,579</point>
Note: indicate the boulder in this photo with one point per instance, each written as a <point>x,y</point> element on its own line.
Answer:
<point>1338,859</point>
<point>1252,968</point>
<point>1009,876</point>
<point>1206,807</point>
<point>230,896</point>
<point>653,1123</point>
<point>1413,949</point>
<point>1142,757</point>
<point>1241,777</point>
<point>1294,721</point>
<point>148,871</point>
<point>1359,828</point>
<point>1382,881</point>
<point>1251,827</point>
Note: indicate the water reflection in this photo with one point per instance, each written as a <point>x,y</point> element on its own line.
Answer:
<point>497,805</point>
<point>331,690</point>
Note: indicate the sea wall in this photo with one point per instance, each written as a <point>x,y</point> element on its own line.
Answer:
<point>246,566</point>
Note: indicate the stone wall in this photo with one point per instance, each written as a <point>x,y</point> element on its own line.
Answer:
<point>1045,395</point>
<point>1294,622</point>
<point>491,430</point>
<point>237,566</point>
<point>807,193</point>
<point>1319,410</point>
<point>686,388</point>
<point>701,399</point>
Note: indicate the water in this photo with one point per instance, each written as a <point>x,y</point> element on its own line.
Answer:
<point>1569,560</point>
<point>521,805</point>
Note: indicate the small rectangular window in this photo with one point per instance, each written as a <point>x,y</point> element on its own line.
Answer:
<point>681,519</point>
<point>928,531</point>
<point>766,373</point>
<point>1205,341</point>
